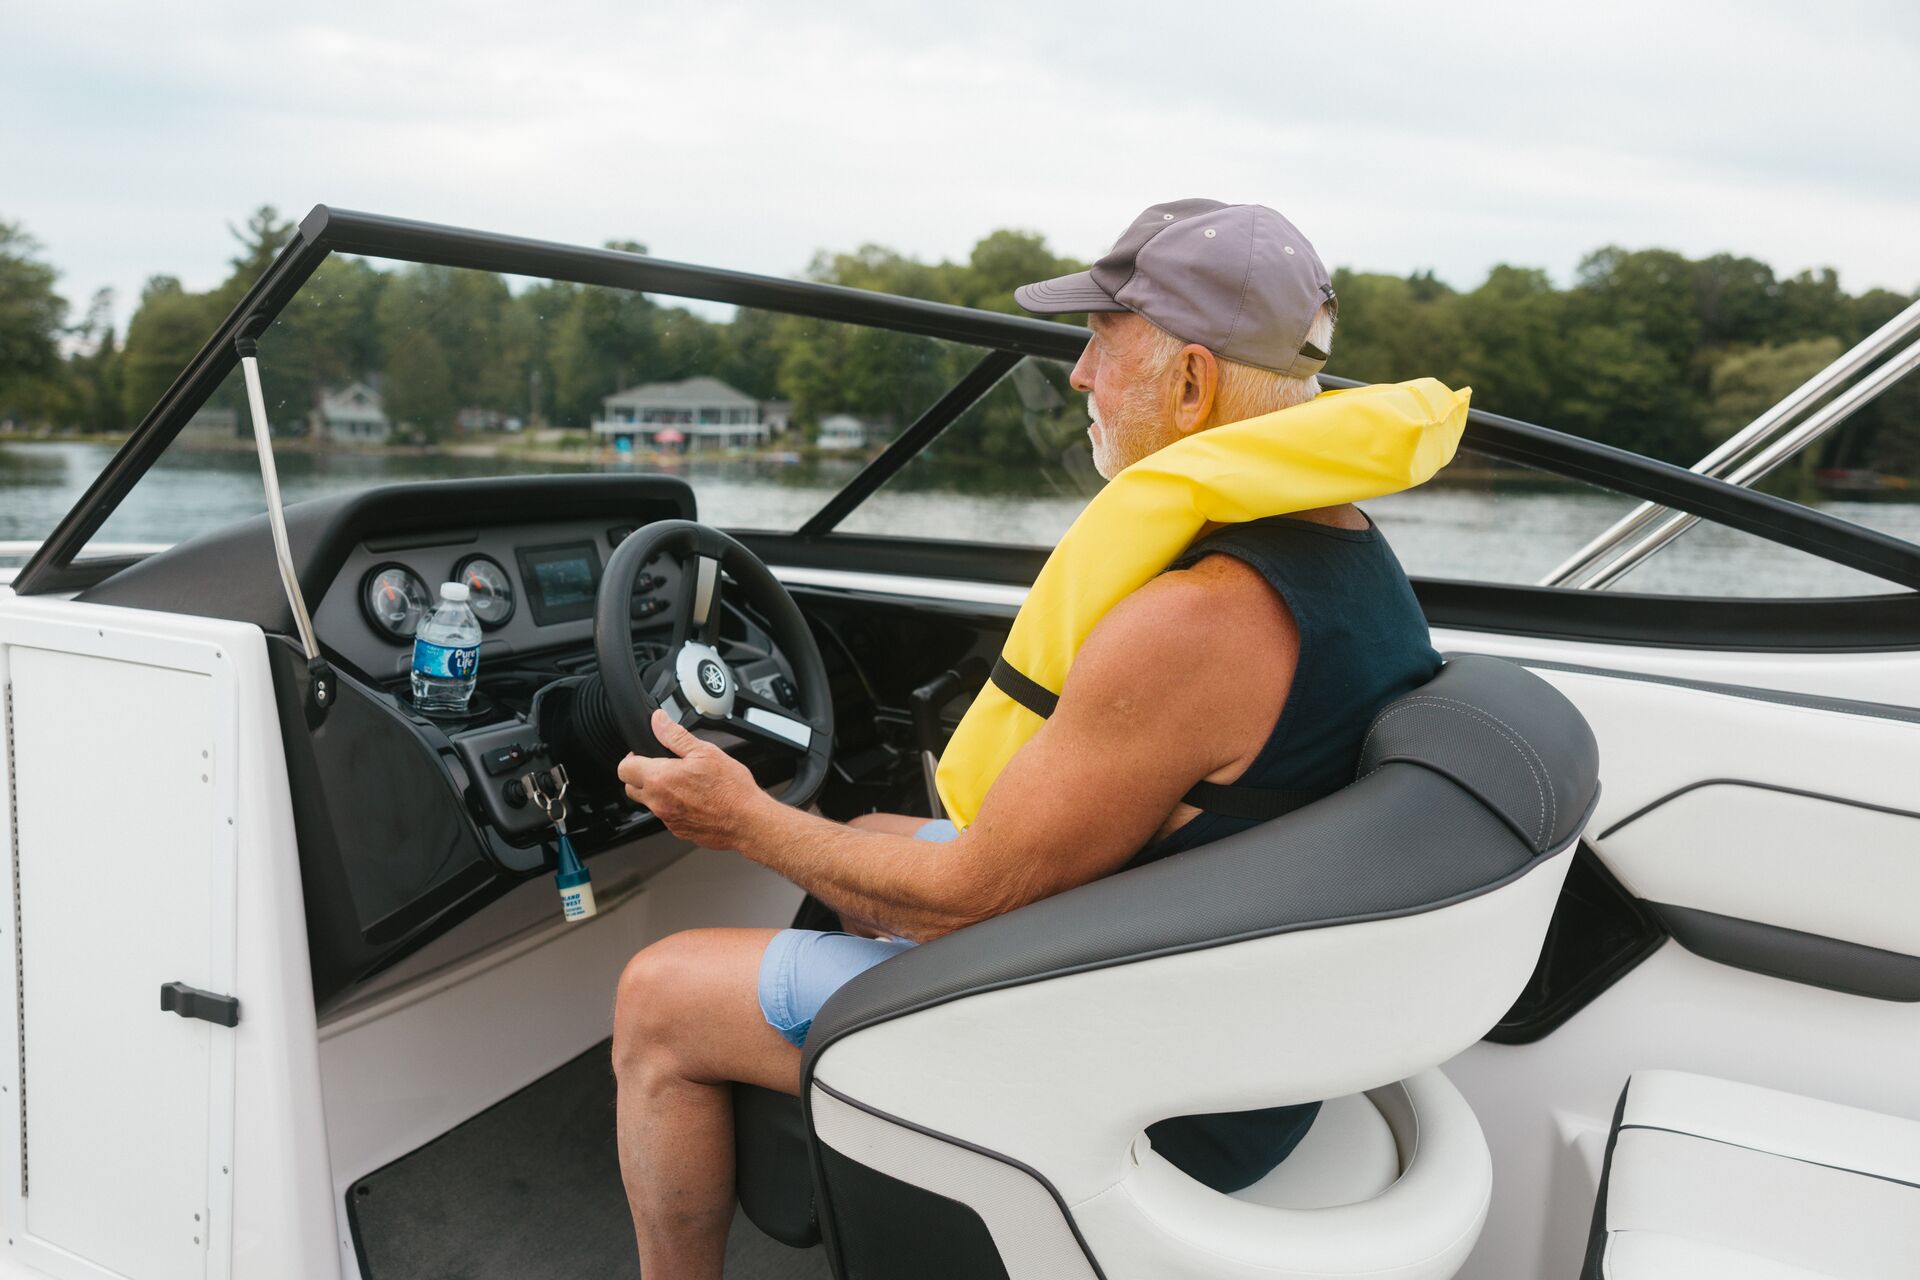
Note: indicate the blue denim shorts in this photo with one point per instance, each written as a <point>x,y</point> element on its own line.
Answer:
<point>802,967</point>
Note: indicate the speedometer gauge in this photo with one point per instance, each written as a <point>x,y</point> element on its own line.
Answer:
<point>490,590</point>
<point>395,600</point>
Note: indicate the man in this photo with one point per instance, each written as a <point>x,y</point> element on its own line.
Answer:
<point>1202,314</point>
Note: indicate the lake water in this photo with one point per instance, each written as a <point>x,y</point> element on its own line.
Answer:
<point>1499,531</point>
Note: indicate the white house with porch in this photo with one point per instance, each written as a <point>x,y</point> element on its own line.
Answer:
<point>351,415</point>
<point>694,413</point>
<point>842,431</point>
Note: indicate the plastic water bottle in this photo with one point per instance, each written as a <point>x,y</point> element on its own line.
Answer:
<point>446,653</point>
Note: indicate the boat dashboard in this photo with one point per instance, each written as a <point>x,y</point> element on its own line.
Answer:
<point>534,586</point>
<point>407,818</point>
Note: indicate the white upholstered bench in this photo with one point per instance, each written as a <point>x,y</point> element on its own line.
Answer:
<point>1707,1179</point>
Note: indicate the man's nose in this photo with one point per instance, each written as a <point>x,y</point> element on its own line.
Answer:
<point>1081,379</point>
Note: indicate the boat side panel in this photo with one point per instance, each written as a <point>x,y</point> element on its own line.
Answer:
<point>146,863</point>
<point>112,777</point>
<point>1784,814</point>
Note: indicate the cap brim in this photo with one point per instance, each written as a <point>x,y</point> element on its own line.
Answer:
<point>1065,295</point>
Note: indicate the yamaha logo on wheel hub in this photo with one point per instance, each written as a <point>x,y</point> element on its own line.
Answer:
<point>704,680</point>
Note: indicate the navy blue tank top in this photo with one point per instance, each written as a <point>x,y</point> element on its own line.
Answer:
<point>1363,643</point>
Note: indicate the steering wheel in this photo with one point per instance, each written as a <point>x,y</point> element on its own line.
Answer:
<point>694,683</point>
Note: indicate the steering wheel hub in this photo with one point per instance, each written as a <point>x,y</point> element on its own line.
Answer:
<point>705,682</point>
<point>695,684</point>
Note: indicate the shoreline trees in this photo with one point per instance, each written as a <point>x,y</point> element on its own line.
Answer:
<point>1645,348</point>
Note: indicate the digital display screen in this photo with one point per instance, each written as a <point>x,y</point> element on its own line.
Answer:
<point>565,581</point>
<point>562,581</point>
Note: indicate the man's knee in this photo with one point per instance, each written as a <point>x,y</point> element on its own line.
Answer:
<point>652,996</point>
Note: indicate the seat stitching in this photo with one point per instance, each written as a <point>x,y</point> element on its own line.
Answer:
<point>1549,798</point>
<point>1462,708</point>
<point>1378,720</point>
<point>1547,786</point>
<point>1521,747</point>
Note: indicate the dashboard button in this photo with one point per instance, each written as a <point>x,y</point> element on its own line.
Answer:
<point>504,759</point>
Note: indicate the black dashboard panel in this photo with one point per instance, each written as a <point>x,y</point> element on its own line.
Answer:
<point>541,619</point>
<point>231,572</point>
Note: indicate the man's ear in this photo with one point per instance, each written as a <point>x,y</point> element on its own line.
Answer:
<point>1196,377</point>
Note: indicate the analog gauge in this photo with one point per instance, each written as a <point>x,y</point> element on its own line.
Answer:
<point>395,600</point>
<point>490,589</point>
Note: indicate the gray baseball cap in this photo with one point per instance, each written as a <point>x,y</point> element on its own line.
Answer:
<point>1238,279</point>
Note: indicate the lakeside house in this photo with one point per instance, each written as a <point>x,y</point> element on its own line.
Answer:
<point>842,431</point>
<point>352,414</point>
<point>692,414</point>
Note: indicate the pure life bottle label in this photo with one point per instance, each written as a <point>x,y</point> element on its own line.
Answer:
<point>446,653</point>
<point>445,662</point>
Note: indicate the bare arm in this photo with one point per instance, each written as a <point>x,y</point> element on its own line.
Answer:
<point>1157,699</point>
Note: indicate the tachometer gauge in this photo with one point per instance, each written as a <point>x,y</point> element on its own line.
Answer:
<point>395,600</point>
<point>490,589</point>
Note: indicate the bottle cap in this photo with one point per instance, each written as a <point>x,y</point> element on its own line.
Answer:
<point>456,591</point>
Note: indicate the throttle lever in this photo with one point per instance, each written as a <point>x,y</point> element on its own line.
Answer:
<point>925,704</point>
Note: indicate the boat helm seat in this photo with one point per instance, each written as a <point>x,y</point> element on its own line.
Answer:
<point>978,1106</point>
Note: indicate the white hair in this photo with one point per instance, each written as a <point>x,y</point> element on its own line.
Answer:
<point>1246,391</point>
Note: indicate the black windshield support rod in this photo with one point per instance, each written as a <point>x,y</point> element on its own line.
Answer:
<point>1760,514</point>
<point>960,397</point>
<point>403,240</point>
<point>1777,520</point>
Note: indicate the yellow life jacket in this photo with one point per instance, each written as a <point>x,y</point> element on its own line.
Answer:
<point>1341,446</point>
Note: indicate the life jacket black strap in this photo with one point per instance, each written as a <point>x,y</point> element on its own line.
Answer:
<point>1029,693</point>
<point>1255,804</point>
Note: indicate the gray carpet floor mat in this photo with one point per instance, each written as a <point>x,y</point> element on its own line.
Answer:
<point>530,1190</point>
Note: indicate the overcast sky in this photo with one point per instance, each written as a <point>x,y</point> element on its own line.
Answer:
<point>1397,136</point>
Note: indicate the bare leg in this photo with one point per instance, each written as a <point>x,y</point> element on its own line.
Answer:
<point>686,1023</point>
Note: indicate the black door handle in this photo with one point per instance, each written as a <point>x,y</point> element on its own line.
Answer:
<point>191,1002</point>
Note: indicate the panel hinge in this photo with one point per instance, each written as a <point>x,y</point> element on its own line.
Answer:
<point>19,951</point>
<point>191,1002</point>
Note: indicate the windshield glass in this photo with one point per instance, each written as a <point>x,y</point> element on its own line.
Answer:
<point>1014,469</point>
<point>375,374</point>
<point>1017,470</point>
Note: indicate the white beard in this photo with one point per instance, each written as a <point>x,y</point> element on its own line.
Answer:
<point>1122,439</point>
<point>1100,435</point>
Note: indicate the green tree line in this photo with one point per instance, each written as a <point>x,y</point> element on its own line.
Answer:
<point>1646,348</point>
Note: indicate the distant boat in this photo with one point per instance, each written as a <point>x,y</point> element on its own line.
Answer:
<point>1862,484</point>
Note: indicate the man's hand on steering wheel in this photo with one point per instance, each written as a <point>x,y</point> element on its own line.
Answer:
<point>699,791</point>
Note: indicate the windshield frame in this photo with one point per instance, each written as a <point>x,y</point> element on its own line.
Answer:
<point>1003,338</point>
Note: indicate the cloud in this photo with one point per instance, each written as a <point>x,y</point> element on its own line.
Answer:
<point>751,135</point>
